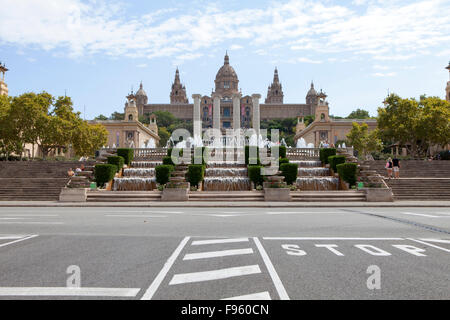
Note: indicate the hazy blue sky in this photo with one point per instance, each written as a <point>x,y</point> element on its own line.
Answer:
<point>354,50</point>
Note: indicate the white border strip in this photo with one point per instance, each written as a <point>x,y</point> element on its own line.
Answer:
<point>217,254</point>
<point>218,241</point>
<point>214,274</point>
<point>15,241</point>
<point>325,238</point>
<point>150,292</point>
<point>273,274</point>
<point>67,292</point>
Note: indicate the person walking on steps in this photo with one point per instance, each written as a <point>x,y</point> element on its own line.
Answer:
<point>396,167</point>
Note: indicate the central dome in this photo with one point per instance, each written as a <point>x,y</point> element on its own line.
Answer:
<point>226,79</point>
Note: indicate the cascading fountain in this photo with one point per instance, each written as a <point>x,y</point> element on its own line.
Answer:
<point>139,172</point>
<point>313,172</point>
<point>145,164</point>
<point>136,179</point>
<point>226,177</point>
<point>313,177</point>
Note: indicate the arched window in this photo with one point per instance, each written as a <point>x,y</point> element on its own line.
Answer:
<point>130,117</point>
<point>322,117</point>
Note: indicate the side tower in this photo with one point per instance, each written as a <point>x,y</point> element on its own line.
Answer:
<point>141,99</point>
<point>447,89</point>
<point>178,93</point>
<point>275,91</point>
<point>131,110</point>
<point>3,86</point>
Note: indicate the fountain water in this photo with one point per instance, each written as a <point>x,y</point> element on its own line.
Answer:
<point>145,164</point>
<point>229,176</point>
<point>134,184</point>
<point>139,172</point>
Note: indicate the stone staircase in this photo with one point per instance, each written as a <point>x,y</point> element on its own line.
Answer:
<point>420,188</point>
<point>328,196</point>
<point>419,179</point>
<point>34,180</point>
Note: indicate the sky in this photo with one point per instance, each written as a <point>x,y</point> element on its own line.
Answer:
<point>97,51</point>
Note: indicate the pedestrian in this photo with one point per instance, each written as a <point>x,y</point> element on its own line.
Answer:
<point>70,172</point>
<point>396,167</point>
<point>388,167</point>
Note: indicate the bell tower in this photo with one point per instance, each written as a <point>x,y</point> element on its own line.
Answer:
<point>275,91</point>
<point>178,93</point>
<point>447,89</point>
<point>131,110</point>
<point>3,86</point>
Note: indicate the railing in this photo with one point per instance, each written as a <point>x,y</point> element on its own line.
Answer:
<point>302,153</point>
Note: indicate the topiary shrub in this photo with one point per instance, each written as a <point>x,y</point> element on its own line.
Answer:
<point>167,161</point>
<point>445,155</point>
<point>195,174</point>
<point>347,172</point>
<point>118,161</point>
<point>290,172</point>
<point>254,174</point>
<point>335,160</point>
<point>325,153</point>
<point>283,160</point>
<point>104,173</point>
<point>162,173</point>
<point>247,153</point>
<point>283,150</point>
<point>127,154</point>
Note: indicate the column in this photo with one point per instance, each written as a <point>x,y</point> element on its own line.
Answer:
<point>216,111</point>
<point>196,117</point>
<point>256,119</point>
<point>236,111</point>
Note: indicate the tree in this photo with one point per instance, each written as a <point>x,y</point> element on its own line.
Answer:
<point>434,124</point>
<point>117,116</point>
<point>164,136</point>
<point>88,138</point>
<point>363,141</point>
<point>359,114</point>
<point>101,118</point>
<point>165,118</point>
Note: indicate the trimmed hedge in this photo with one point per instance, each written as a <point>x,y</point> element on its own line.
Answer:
<point>127,154</point>
<point>118,161</point>
<point>335,160</point>
<point>247,153</point>
<point>104,173</point>
<point>290,172</point>
<point>347,172</point>
<point>195,174</point>
<point>283,160</point>
<point>254,174</point>
<point>283,150</point>
<point>167,161</point>
<point>162,173</point>
<point>325,153</point>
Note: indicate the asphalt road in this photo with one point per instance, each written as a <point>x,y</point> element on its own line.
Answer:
<point>220,253</point>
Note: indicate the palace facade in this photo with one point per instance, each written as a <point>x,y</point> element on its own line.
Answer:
<point>226,89</point>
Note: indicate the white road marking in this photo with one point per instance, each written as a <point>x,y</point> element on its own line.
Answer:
<point>299,212</point>
<point>223,215</point>
<point>133,216</point>
<point>18,240</point>
<point>149,293</point>
<point>29,222</point>
<point>218,241</point>
<point>329,238</point>
<point>216,254</point>
<point>214,274</point>
<point>437,240</point>
<point>14,218</point>
<point>273,274</point>
<point>67,291</point>
<point>12,237</point>
<point>28,215</point>
<point>255,296</point>
<point>429,244</point>
<point>420,214</point>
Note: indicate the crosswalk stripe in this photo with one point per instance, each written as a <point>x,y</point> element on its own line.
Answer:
<point>215,254</point>
<point>214,274</point>
<point>254,296</point>
<point>218,241</point>
<point>67,291</point>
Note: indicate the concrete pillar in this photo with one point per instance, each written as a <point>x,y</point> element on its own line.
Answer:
<point>216,111</point>
<point>196,116</point>
<point>256,114</point>
<point>236,111</point>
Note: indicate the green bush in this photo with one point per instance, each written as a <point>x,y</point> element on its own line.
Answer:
<point>167,161</point>
<point>195,174</point>
<point>118,161</point>
<point>127,154</point>
<point>347,172</point>
<point>445,155</point>
<point>325,153</point>
<point>289,171</point>
<point>283,160</point>
<point>283,150</point>
<point>335,160</point>
<point>162,173</point>
<point>254,174</point>
<point>104,173</point>
<point>247,153</point>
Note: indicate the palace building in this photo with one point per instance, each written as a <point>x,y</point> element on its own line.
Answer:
<point>226,90</point>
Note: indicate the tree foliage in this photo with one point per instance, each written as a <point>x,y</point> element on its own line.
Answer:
<point>359,114</point>
<point>363,141</point>
<point>415,124</point>
<point>48,122</point>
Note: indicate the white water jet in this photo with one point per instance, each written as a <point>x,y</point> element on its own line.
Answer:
<point>301,143</point>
